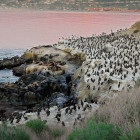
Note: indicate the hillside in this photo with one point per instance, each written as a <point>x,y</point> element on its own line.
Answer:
<point>133,30</point>
<point>82,5</point>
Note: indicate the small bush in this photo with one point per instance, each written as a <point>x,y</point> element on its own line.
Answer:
<point>136,31</point>
<point>95,131</point>
<point>134,135</point>
<point>12,133</point>
<point>36,125</point>
<point>137,83</point>
<point>56,133</point>
<point>20,134</point>
<point>5,133</point>
<point>123,112</point>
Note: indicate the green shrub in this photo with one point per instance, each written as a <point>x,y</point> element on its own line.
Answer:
<point>20,134</point>
<point>56,133</point>
<point>137,83</point>
<point>95,131</point>
<point>36,125</point>
<point>5,133</point>
<point>136,31</point>
<point>12,133</point>
<point>134,135</point>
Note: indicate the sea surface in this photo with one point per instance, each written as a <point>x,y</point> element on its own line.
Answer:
<point>26,29</point>
<point>6,75</point>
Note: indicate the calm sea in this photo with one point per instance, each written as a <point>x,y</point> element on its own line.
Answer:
<point>26,29</point>
<point>7,75</point>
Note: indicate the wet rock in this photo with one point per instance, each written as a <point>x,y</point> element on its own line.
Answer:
<point>68,78</point>
<point>14,102</point>
<point>8,113</point>
<point>23,90</point>
<point>31,78</point>
<point>11,62</point>
<point>64,88</point>
<point>2,111</point>
<point>19,71</point>
<point>108,48</point>
<point>15,96</point>
<point>60,99</point>
<point>30,98</point>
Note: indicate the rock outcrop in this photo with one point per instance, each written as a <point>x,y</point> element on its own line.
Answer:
<point>47,72</point>
<point>9,63</point>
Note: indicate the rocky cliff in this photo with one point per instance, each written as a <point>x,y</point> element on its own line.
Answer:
<point>75,70</point>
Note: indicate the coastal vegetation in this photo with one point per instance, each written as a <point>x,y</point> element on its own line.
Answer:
<point>94,131</point>
<point>117,120</point>
<point>12,133</point>
<point>36,125</point>
<point>33,129</point>
<point>137,83</point>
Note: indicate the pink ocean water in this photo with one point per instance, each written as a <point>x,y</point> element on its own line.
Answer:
<point>25,29</point>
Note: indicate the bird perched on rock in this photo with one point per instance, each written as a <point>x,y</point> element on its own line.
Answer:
<point>63,123</point>
<point>82,104</point>
<point>74,107</point>
<point>48,112</point>
<point>17,121</point>
<point>11,121</point>
<point>119,84</point>
<point>70,111</point>
<point>66,110</point>
<point>26,118</point>
<point>79,116</point>
<point>59,113</point>
<point>78,107</point>
<point>58,119</point>
<point>75,122</point>
<point>45,121</point>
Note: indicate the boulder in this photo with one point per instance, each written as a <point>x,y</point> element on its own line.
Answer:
<point>108,48</point>
<point>20,70</point>
<point>60,99</point>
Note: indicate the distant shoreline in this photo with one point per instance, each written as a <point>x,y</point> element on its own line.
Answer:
<point>112,9</point>
<point>67,11</point>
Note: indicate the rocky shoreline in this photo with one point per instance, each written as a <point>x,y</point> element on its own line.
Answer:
<point>44,75</point>
<point>45,81</point>
<point>68,81</point>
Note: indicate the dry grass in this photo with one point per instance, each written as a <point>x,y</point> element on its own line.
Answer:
<point>52,133</point>
<point>136,26</point>
<point>133,30</point>
<point>123,111</point>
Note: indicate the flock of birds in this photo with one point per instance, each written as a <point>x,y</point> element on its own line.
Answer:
<point>68,116</point>
<point>112,60</point>
<point>112,63</point>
